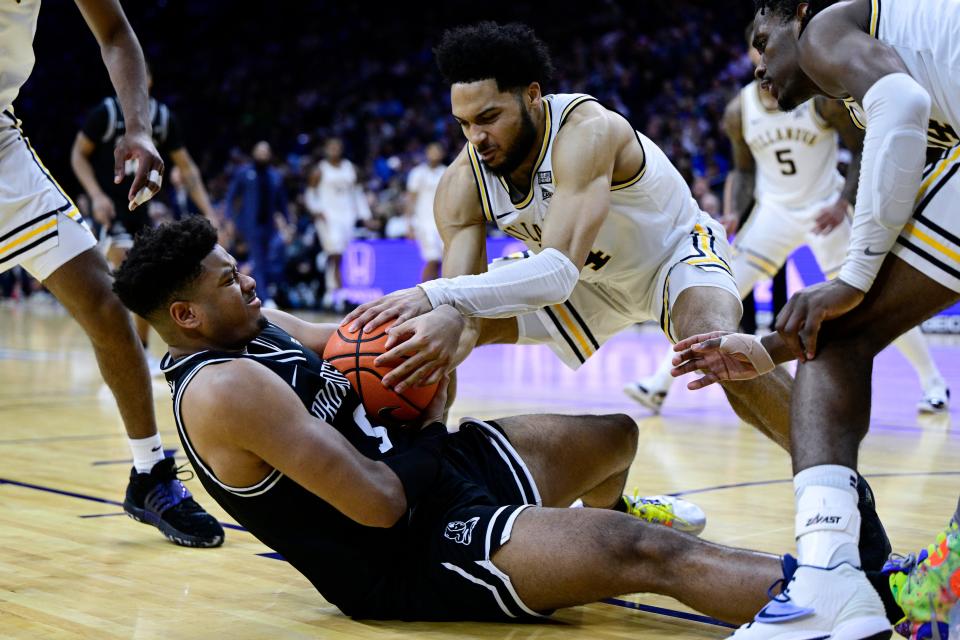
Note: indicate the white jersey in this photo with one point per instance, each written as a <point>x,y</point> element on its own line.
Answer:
<point>422,182</point>
<point>795,152</point>
<point>337,191</point>
<point>925,36</point>
<point>18,24</point>
<point>650,215</point>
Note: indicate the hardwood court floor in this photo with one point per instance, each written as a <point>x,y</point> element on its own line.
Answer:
<point>72,566</point>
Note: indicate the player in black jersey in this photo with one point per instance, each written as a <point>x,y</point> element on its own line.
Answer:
<point>92,160</point>
<point>412,522</point>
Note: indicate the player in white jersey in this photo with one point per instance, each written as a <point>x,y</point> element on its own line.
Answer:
<point>42,230</point>
<point>786,163</point>
<point>336,202</point>
<point>421,189</point>
<point>614,235</point>
<point>898,60</point>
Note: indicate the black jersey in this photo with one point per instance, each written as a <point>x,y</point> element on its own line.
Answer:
<point>105,125</point>
<point>347,562</point>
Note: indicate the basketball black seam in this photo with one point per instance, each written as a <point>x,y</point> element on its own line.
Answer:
<point>376,373</point>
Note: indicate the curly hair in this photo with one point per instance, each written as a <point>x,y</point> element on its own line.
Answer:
<point>511,54</point>
<point>787,9</point>
<point>162,263</point>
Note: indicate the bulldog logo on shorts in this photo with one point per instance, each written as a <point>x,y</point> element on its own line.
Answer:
<point>461,532</point>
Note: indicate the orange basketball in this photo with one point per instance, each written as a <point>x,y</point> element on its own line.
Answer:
<point>353,353</point>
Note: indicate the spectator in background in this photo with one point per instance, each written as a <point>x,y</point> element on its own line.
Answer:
<point>337,202</point>
<point>257,203</point>
<point>421,188</point>
<point>92,160</point>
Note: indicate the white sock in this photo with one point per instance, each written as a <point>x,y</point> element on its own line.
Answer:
<point>828,521</point>
<point>914,348</point>
<point>146,452</point>
<point>661,380</point>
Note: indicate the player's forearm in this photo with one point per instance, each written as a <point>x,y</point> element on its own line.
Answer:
<point>123,59</point>
<point>777,348</point>
<point>198,193</point>
<point>85,173</point>
<point>525,285</point>
<point>741,191</point>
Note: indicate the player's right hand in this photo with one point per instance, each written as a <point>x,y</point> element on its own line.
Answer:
<point>422,349</point>
<point>149,174</point>
<point>103,209</point>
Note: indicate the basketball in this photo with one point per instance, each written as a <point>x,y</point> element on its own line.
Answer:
<point>353,353</point>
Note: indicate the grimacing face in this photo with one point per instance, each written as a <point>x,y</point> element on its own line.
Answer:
<point>496,122</point>
<point>224,302</point>
<point>779,70</point>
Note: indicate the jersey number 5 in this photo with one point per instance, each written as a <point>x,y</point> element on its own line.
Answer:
<point>787,167</point>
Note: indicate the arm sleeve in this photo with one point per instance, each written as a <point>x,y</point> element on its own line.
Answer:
<point>541,280</point>
<point>891,168</point>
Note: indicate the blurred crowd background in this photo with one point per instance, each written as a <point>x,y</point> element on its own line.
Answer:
<point>296,75</point>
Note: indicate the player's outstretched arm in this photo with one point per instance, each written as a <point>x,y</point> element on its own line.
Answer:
<point>193,181</point>
<point>124,61</point>
<point>722,355</point>
<point>241,409</point>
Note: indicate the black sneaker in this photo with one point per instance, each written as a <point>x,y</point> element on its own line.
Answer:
<point>874,544</point>
<point>160,499</point>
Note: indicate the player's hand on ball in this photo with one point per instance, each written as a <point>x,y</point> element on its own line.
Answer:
<point>799,322</point>
<point>706,353</point>
<point>138,147</point>
<point>423,348</point>
<point>400,305</point>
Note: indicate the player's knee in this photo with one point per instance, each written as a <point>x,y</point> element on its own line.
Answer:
<point>649,549</point>
<point>627,434</point>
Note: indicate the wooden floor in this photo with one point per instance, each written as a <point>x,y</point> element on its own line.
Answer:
<point>72,566</point>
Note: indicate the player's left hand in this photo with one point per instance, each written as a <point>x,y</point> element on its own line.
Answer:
<point>149,175</point>
<point>423,348</point>
<point>799,322</point>
<point>705,352</point>
<point>400,305</point>
<point>831,217</point>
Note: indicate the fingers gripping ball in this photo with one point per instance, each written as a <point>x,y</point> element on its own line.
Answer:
<point>353,353</point>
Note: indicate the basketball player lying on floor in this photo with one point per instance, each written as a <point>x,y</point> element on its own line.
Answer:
<point>408,523</point>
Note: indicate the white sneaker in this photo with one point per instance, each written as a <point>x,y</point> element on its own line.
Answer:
<point>643,392</point>
<point>936,399</point>
<point>820,604</point>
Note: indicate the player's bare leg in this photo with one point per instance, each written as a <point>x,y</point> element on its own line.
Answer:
<point>831,412</point>
<point>83,286</point>
<point>589,457</point>
<point>763,402</point>
<point>564,557</point>
<point>595,453</point>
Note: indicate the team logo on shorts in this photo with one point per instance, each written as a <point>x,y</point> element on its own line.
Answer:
<point>460,531</point>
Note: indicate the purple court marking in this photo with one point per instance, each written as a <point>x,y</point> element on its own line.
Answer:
<point>105,515</point>
<point>683,615</point>
<point>102,436</point>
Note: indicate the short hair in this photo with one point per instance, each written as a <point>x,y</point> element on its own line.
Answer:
<point>162,263</point>
<point>787,9</point>
<point>511,54</point>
